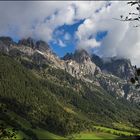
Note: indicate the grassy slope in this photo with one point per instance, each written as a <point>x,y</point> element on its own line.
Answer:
<point>94,135</point>
<point>40,133</point>
<point>44,95</point>
<point>43,134</point>
<point>113,131</point>
<point>126,127</point>
<point>101,133</point>
<point>23,93</point>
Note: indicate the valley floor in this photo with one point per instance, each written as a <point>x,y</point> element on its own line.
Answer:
<point>102,133</point>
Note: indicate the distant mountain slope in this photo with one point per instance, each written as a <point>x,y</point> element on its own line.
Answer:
<point>38,86</point>
<point>23,93</point>
<point>119,67</point>
<point>37,54</point>
<point>26,95</point>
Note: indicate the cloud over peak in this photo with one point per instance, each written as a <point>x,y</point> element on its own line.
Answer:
<point>40,19</point>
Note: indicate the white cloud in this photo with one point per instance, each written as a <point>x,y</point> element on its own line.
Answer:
<point>86,9</point>
<point>40,18</point>
<point>67,36</point>
<point>23,15</point>
<point>122,39</point>
<point>61,43</point>
<point>88,43</point>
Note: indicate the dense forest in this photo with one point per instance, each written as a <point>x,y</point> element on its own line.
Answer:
<point>52,99</point>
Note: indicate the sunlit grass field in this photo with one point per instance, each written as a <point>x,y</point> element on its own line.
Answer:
<point>102,133</point>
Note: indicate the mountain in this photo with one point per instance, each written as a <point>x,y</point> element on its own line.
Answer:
<point>104,72</point>
<point>80,65</point>
<point>63,96</point>
<point>119,67</point>
<point>8,41</point>
<point>79,56</point>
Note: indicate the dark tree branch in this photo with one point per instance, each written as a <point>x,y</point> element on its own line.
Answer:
<point>132,16</point>
<point>132,3</point>
<point>127,19</point>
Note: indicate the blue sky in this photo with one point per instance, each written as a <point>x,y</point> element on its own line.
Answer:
<point>59,33</point>
<point>73,24</point>
<point>70,44</point>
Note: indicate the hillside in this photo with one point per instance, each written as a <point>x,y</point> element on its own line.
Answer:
<point>27,95</point>
<point>50,98</point>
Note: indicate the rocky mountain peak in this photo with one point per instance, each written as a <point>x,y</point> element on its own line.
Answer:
<point>97,60</point>
<point>120,67</point>
<point>32,43</point>
<point>81,55</point>
<point>68,56</point>
<point>79,64</point>
<point>42,46</point>
<point>5,44</point>
<point>7,40</point>
<point>29,42</point>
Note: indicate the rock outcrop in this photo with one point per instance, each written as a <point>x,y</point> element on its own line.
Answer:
<point>112,75</point>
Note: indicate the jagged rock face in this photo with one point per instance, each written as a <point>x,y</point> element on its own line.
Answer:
<point>4,48</point>
<point>118,87</point>
<point>5,44</point>
<point>40,52</point>
<point>131,93</point>
<point>79,64</point>
<point>42,46</point>
<point>37,51</point>
<point>39,45</point>
<point>97,60</point>
<point>112,84</point>
<point>7,41</point>
<point>38,58</point>
<point>115,77</point>
<point>133,97</point>
<point>29,42</point>
<point>68,56</point>
<point>81,56</point>
<point>119,67</point>
<point>15,52</point>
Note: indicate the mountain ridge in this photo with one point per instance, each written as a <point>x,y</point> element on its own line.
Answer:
<point>80,64</point>
<point>63,97</point>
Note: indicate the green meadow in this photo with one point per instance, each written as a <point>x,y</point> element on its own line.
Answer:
<point>93,135</point>
<point>46,104</point>
<point>101,133</point>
